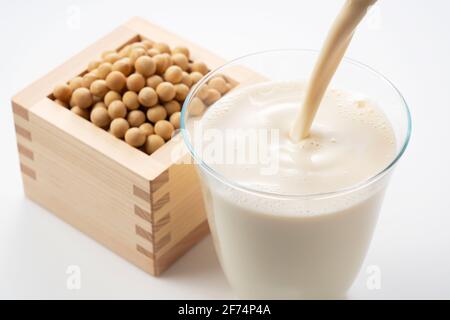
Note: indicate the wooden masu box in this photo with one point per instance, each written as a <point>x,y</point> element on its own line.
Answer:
<point>147,209</point>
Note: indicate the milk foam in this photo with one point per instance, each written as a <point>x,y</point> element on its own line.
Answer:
<point>351,139</point>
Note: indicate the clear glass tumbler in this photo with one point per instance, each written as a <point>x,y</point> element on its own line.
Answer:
<point>266,253</point>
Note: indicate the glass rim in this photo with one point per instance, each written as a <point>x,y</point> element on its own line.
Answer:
<point>285,196</point>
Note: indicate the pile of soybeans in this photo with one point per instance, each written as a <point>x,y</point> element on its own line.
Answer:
<point>136,93</point>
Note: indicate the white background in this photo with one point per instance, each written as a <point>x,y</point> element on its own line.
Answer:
<point>408,41</point>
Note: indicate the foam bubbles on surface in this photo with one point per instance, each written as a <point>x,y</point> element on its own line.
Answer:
<point>351,140</point>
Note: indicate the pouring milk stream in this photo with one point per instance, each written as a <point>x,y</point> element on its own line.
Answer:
<point>330,56</point>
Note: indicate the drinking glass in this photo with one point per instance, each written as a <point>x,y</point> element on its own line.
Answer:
<point>266,247</point>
